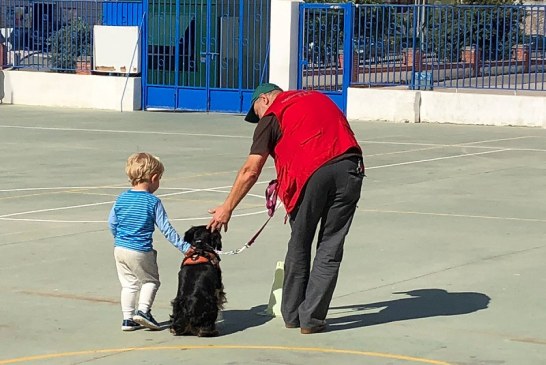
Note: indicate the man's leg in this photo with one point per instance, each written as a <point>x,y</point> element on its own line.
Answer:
<point>303,222</point>
<point>336,221</point>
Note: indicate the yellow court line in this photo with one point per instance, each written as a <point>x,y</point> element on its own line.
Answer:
<point>224,347</point>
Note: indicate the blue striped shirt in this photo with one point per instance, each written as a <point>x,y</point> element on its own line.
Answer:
<point>133,219</point>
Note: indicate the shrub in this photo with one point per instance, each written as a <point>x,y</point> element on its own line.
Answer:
<point>70,43</point>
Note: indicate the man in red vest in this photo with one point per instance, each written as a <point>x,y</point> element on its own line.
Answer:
<point>320,171</point>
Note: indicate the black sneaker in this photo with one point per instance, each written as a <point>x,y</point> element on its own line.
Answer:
<point>129,325</point>
<point>147,320</point>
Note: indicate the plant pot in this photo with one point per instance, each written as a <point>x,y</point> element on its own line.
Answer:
<point>470,55</point>
<point>520,53</point>
<point>83,67</point>
<point>412,58</point>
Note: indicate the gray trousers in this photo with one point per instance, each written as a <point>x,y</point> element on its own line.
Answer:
<point>330,197</point>
<point>137,272</point>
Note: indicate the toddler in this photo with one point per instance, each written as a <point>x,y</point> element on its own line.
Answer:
<point>132,220</point>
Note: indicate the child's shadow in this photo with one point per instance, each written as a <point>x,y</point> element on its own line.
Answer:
<point>240,320</point>
<point>422,304</point>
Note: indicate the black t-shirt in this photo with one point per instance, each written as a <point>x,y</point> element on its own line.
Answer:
<point>266,136</point>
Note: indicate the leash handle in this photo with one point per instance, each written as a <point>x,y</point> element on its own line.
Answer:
<point>271,197</point>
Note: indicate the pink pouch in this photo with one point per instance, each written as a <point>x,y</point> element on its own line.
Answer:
<point>271,197</point>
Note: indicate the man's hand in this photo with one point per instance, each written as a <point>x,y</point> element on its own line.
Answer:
<point>220,217</point>
<point>246,178</point>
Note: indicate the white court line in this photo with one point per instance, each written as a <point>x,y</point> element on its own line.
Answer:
<point>80,188</point>
<point>105,221</point>
<point>6,216</point>
<point>456,145</point>
<point>500,139</point>
<point>466,144</point>
<point>125,132</point>
<point>434,159</point>
<point>403,151</point>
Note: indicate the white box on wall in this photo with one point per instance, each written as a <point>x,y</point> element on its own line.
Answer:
<point>116,49</point>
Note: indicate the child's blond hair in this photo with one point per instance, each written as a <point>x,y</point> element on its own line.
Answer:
<point>141,166</point>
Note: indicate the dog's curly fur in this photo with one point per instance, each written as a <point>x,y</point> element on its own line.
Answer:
<point>200,289</point>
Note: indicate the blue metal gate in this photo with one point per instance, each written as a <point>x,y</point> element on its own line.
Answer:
<point>325,36</point>
<point>205,55</point>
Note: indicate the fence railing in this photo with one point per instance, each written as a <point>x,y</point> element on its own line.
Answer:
<point>440,46</point>
<point>454,46</point>
<point>57,35</point>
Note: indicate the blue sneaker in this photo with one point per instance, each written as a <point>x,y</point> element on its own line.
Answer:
<point>129,325</point>
<point>147,320</point>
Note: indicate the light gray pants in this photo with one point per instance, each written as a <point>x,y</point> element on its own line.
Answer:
<point>330,197</point>
<point>137,271</point>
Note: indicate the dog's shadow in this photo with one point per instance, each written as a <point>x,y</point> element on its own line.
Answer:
<point>423,303</point>
<point>233,320</point>
<point>240,320</point>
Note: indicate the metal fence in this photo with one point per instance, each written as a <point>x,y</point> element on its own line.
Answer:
<point>432,46</point>
<point>205,55</point>
<point>57,35</point>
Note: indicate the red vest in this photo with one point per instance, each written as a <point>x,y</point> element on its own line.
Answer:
<point>314,131</point>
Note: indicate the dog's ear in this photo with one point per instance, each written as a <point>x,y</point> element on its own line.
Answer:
<point>189,236</point>
<point>216,240</point>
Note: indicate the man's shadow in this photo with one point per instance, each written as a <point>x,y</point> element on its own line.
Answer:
<point>423,303</point>
<point>240,320</point>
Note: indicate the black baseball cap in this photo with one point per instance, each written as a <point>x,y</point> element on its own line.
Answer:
<point>261,89</point>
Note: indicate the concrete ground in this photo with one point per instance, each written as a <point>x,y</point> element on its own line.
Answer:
<point>444,264</point>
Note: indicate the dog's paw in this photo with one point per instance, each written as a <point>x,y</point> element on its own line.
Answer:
<point>207,333</point>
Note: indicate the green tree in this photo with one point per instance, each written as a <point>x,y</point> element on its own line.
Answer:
<point>491,30</point>
<point>70,43</point>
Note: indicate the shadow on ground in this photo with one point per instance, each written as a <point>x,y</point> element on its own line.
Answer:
<point>240,320</point>
<point>423,303</point>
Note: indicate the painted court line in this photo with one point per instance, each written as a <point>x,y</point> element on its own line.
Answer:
<point>125,132</point>
<point>466,144</point>
<point>435,159</point>
<point>102,203</point>
<point>499,140</point>
<point>225,347</point>
<point>454,215</point>
<point>7,216</point>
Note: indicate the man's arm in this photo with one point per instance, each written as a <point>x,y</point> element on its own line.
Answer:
<point>245,180</point>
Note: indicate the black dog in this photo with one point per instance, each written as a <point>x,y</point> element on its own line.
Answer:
<point>200,290</point>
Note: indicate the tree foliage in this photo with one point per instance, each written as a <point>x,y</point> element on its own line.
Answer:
<point>491,27</point>
<point>490,30</point>
<point>69,43</point>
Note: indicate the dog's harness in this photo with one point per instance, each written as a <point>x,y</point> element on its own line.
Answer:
<point>196,256</point>
<point>271,205</point>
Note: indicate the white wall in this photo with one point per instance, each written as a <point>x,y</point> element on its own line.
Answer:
<point>446,107</point>
<point>482,108</point>
<point>71,90</point>
<point>382,104</point>
<point>283,55</point>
